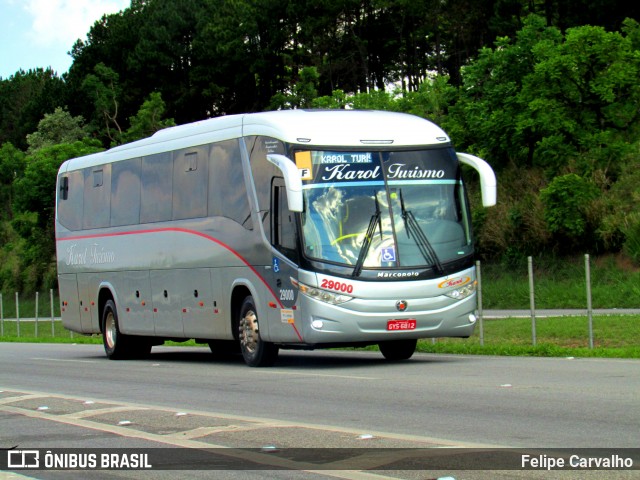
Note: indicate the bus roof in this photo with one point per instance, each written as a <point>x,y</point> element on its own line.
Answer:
<point>349,128</point>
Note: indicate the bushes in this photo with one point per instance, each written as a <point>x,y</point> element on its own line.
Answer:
<point>569,214</point>
<point>567,202</point>
<point>632,238</point>
<point>515,227</point>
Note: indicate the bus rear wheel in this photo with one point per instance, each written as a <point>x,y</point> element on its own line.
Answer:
<point>255,351</point>
<point>118,346</point>
<point>395,350</point>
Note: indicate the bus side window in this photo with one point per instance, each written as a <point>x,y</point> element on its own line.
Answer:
<point>64,188</point>
<point>125,192</point>
<point>190,178</point>
<point>71,200</point>
<point>283,229</point>
<point>97,197</point>
<point>227,189</point>
<point>156,195</point>
<point>263,171</point>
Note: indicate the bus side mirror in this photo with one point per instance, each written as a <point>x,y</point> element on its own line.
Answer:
<point>292,180</point>
<point>488,182</point>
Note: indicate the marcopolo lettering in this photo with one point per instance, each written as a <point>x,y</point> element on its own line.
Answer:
<point>398,274</point>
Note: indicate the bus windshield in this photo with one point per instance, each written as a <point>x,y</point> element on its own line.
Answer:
<point>385,209</point>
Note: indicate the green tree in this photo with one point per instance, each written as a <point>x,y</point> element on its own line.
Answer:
<point>34,208</point>
<point>584,100</point>
<point>54,128</point>
<point>110,41</point>
<point>12,165</point>
<point>36,189</point>
<point>432,99</point>
<point>164,58</point>
<point>24,98</point>
<point>568,203</point>
<point>559,102</point>
<point>491,117</point>
<point>302,94</point>
<point>104,91</point>
<point>148,120</point>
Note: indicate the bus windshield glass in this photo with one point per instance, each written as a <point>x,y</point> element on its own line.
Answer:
<point>384,209</point>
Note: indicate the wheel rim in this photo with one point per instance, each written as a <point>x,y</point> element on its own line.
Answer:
<point>110,332</point>
<point>249,336</point>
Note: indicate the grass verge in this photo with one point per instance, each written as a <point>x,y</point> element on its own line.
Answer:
<point>615,336</point>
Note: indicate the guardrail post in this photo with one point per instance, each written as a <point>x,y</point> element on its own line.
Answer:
<point>37,300</point>
<point>52,313</point>
<point>479,279</point>
<point>18,313</point>
<point>587,269</point>
<point>533,302</point>
<point>1,316</point>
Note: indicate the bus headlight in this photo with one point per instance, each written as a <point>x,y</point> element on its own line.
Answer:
<point>462,292</point>
<point>334,298</point>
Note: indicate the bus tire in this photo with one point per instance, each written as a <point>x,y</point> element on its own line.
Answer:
<point>118,346</point>
<point>395,350</point>
<point>255,351</point>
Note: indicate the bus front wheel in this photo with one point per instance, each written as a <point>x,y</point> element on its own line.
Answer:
<point>395,350</point>
<point>256,352</point>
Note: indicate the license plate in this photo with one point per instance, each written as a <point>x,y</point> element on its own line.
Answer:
<point>409,324</point>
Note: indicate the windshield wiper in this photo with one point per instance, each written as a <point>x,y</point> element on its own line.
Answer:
<point>412,227</point>
<point>368,238</point>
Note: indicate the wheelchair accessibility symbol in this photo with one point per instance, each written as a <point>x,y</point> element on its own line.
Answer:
<point>389,254</point>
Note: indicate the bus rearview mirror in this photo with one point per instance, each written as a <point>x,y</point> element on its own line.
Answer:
<point>488,182</point>
<point>292,180</point>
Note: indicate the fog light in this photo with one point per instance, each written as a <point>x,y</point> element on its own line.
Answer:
<point>317,324</point>
<point>472,318</point>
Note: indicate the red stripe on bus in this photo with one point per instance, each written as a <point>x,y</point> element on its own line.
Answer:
<point>187,231</point>
<point>297,332</point>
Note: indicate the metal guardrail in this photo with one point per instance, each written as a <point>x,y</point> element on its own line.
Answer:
<point>37,319</point>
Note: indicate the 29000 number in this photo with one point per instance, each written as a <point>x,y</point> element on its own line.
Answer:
<point>337,286</point>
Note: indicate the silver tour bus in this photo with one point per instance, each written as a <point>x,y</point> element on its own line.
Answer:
<point>251,233</point>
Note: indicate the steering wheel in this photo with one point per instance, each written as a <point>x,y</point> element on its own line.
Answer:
<point>344,237</point>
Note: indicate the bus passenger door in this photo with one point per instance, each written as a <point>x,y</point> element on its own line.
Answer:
<point>283,265</point>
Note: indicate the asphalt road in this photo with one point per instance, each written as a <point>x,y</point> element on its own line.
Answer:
<point>314,399</point>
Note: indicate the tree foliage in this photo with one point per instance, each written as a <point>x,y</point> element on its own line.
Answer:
<point>567,202</point>
<point>560,102</point>
<point>12,165</point>
<point>103,89</point>
<point>54,128</point>
<point>24,98</point>
<point>148,120</point>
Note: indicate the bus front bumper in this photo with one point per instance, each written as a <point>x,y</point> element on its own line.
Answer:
<point>334,324</point>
